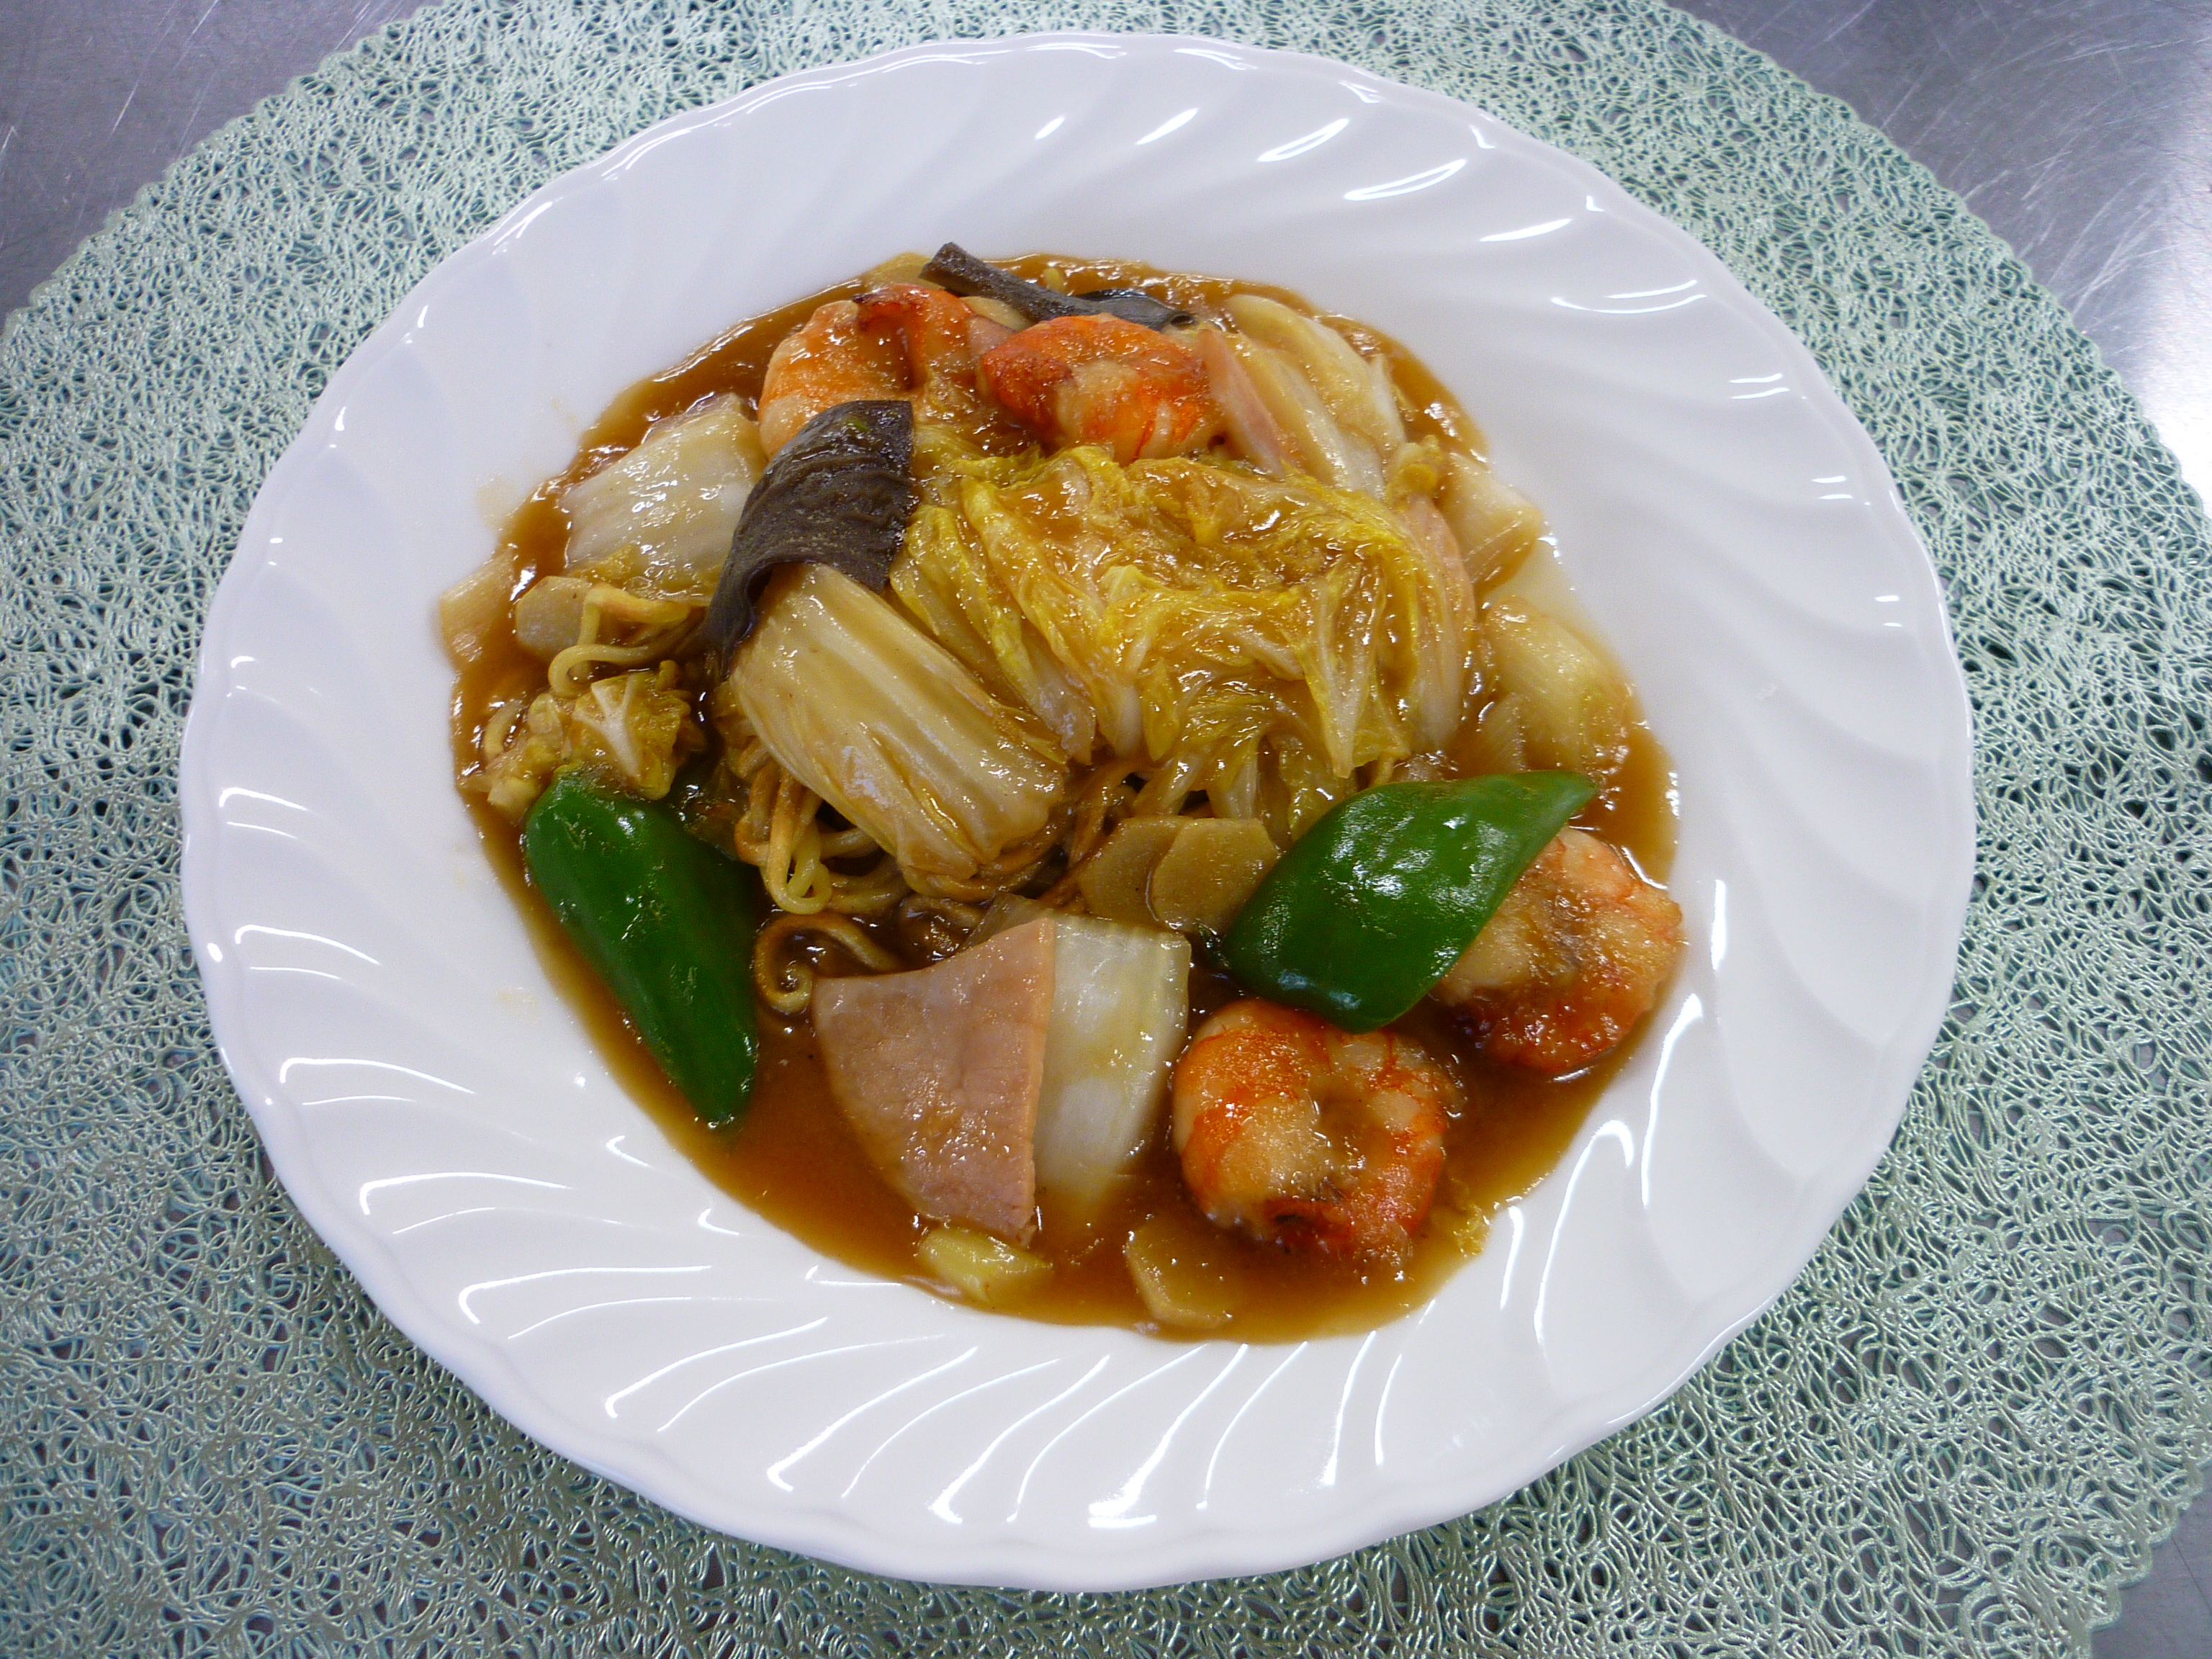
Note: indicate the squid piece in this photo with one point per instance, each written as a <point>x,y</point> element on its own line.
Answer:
<point>939,1071</point>
<point>1310,435</point>
<point>675,498</point>
<point>1253,432</point>
<point>1357,391</point>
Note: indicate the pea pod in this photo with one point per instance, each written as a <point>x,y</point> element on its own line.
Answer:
<point>1372,906</point>
<point>666,922</point>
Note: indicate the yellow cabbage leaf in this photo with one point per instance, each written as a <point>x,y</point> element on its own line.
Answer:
<point>1259,638</point>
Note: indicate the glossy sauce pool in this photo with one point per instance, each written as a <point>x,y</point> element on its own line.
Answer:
<point>792,1160</point>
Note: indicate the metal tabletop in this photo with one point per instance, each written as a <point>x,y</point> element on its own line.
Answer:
<point>2081,130</point>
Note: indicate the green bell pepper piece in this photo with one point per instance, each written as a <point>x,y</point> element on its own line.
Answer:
<point>1373,905</point>
<point>667,923</point>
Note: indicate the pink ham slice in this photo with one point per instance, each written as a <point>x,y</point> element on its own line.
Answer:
<point>938,1072</point>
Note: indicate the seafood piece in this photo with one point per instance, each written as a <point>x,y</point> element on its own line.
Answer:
<point>1306,1136</point>
<point>828,360</point>
<point>939,1072</point>
<point>1253,432</point>
<point>1108,381</point>
<point>1356,390</point>
<point>1575,957</point>
<point>903,340</point>
<point>943,340</point>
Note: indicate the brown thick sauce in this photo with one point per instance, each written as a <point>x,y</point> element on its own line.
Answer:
<point>792,1160</point>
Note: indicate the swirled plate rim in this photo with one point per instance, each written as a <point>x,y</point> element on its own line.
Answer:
<point>1264,1521</point>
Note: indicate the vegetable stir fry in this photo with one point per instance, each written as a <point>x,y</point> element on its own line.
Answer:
<point>1102,759</point>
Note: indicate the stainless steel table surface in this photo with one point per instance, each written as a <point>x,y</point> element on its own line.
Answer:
<point>2081,129</point>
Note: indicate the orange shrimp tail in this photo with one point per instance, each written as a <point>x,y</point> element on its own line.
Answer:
<point>1105,381</point>
<point>1258,1153</point>
<point>830,359</point>
<point>931,326</point>
<point>1233,1071</point>
<point>942,341</point>
<point>1377,1217</point>
<point>1556,1035</point>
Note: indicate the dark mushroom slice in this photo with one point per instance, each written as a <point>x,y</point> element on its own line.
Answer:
<point>961,271</point>
<point>840,493</point>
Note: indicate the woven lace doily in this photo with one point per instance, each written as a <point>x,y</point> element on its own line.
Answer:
<point>1959,1433</point>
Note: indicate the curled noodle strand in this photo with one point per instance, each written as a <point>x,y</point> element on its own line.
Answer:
<point>784,980</point>
<point>793,871</point>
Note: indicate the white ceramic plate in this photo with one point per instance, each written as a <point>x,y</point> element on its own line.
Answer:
<point>448,1128</point>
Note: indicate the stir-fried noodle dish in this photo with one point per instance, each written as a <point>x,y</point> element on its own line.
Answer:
<point>1077,787</point>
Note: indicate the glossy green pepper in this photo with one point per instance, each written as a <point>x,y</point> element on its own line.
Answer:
<point>1373,905</point>
<point>667,923</point>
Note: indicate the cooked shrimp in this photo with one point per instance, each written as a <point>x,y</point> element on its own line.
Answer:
<point>1105,380</point>
<point>828,360</point>
<point>944,338</point>
<point>903,340</point>
<point>1306,1136</point>
<point>1575,957</point>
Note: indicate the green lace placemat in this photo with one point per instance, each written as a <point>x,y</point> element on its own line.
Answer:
<point>1959,1432</point>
